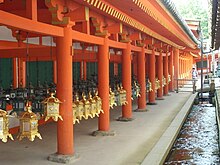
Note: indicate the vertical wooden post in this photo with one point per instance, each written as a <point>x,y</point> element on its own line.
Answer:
<point>31,9</point>
<point>165,66</point>
<point>103,85</point>
<point>55,71</point>
<point>22,72</point>
<point>176,64</point>
<point>152,72</point>
<point>126,83</point>
<point>184,62</point>
<point>64,93</point>
<point>160,76</point>
<point>15,72</point>
<point>141,80</point>
<point>147,67</point>
<point>103,88</point>
<point>81,70</point>
<point>84,70</point>
<point>180,69</point>
<point>134,61</point>
<point>170,68</point>
<point>115,69</point>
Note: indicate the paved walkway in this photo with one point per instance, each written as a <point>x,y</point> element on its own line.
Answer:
<point>132,142</point>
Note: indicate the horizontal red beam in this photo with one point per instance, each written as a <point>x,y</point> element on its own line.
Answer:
<point>83,37</point>
<point>25,24</point>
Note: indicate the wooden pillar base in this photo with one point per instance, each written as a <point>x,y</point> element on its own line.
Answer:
<point>66,159</point>
<point>141,110</point>
<point>154,103</point>
<point>125,119</point>
<point>103,133</point>
<point>167,94</point>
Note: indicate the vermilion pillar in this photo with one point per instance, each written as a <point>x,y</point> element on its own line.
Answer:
<point>55,71</point>
<point>64,93</point>
<point>103,85</point>
<point>180,69</point>
<point>184,68</point>
<point>170,68</point>
<point>176,64</point>
<point>84,70</point>
<point>160,75</point>
<point>126,83</point>
<point>115,69</point>
<point>15,72</point>
<point>21,67</point>
<point>31,9</point>
<point>81,70</point>
<point>147,66</point>
<point>152,61</point>
<point>22,72</point>
<point>165,71</point>
<point>135,70</point>
<point>141,79</point>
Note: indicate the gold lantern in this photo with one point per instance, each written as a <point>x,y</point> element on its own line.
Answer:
<point>93,105</point>
<point>157,84</point>
<point>28,124</point>
<point>122,95</point>
<point>87,107</point>
<point>75,119</point>
<point>111,98</point>
<point>79,107</point>
<point>137,87</point>
<point>98,103</point>
<point>51,108</point>
<point>164,81</point>
<point>4,123</point>
<point>169,78</point>
<point>149,86</point>
<point>119,96</point>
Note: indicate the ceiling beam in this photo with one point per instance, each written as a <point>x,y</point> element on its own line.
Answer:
<point>25,24</point>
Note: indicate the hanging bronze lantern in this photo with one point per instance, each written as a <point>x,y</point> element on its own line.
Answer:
<point>79,107</point>
<point>75,119</point>
<point>119,94</point>
<point>51,108</point>
<point>169,78</point>
<point>164,81</point>
<point>116,94</point>
<point>137,88</point>
<point>4,126</point>
<point>87,107</point>
<point>111,98</point>
<point>98,104</point>
<point>93,105</point>
<point>122,95</point>
<point>149,86</point>
<point>28,124</point>
<point>157,84</point>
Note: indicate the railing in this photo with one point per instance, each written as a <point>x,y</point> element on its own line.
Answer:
<point>184,84</point>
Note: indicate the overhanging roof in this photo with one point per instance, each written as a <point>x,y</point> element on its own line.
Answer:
<point>215,24</point>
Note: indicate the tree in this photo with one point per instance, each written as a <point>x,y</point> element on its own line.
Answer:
<point>195,9</point>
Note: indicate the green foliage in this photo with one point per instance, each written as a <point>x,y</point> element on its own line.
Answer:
<point>195,9</point>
